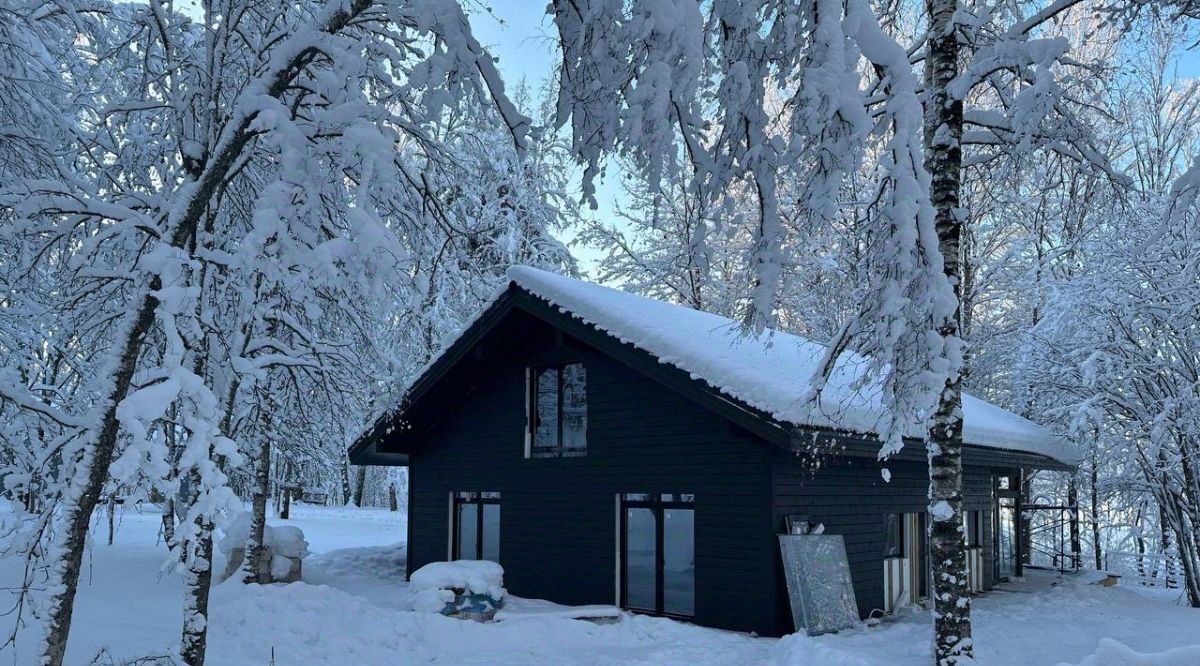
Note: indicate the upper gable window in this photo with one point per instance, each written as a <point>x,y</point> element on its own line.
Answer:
<point>557,411</point>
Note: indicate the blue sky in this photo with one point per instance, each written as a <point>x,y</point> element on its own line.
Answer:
<point>1189,63</point>
<point>521,36</point>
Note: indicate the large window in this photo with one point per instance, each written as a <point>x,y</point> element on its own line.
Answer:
<point>658,564</point>
<point>476,526</point>
<point>558,411</point>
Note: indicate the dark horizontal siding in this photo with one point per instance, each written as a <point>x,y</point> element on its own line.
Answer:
<point>650,429</point>
<point>558,516</point>
<point>849,496</point>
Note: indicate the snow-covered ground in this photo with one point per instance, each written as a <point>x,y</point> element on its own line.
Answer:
<point>352,610</point>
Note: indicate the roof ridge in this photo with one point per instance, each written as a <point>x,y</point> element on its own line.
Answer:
<point>762,373</point>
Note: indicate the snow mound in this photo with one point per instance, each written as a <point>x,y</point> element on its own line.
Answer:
<point>798,649</point>
<point>770,371</point>
<point>431,585</point>
<point>283,540</point>
<point>1114,653</point>
<point>301,624</point>
<point>381,562</point>
<point>474,576</point>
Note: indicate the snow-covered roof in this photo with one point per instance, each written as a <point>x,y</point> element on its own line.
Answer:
<point>767,372</point>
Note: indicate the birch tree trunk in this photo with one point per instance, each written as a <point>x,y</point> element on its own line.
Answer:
<point>197,578</point>
<point>186,206</point>
<point>360,485</point>
<point>1185,542</point>
<point>252,563</point>
<point>345,482</point>
<point>285,506</point>
<point>1073,520</point>
<point>1164,544</point>
<point>943,160</point>
<point>1141,547</point>
<point>196,582</point>
<point>92,469</point>
<point>112,516</point>
<point>1094,496</point>
<point>168,517</point>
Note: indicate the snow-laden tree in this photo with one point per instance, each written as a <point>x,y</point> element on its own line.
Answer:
<point>1128,354</point>
<point>847,87</point>
<point>151,221</point>
<point>246,207</point>
<point>1113,353</point>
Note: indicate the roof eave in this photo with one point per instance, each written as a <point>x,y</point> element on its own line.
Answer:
<point>756,421</point>
<point>822,440</point>
<point>387,422</point>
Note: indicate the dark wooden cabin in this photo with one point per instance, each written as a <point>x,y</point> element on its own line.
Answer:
<point>611,449</point>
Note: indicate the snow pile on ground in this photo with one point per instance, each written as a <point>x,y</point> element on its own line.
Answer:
<point>475,576</point>
<point>283,540</point>
<point>516,608</point>
<point>799,650</point>
<point>376,562</point>
<point>767,372</point>
<point>1112,653</point>
<point>431,585</point>
<point>354,610</point>
<point>299,624</point>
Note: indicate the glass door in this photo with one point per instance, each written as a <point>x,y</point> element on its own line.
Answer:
<point>476,532</point>
<point>1006,538</point>
<point>641,558</point>
<point>658,563</point>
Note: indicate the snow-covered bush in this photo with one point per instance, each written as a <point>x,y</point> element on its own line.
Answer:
<point>462,588</point>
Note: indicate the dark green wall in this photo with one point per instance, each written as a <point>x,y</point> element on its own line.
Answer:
<point>559,516</point>
<point>850,497</point>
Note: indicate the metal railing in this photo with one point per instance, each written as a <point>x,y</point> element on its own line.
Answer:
<point>1146,569</point>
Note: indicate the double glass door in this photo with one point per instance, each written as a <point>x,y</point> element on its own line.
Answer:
<point>658,563</point>
<point>476,534</point>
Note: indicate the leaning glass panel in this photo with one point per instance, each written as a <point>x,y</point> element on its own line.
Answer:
<point>679,561</point>
<point>640,555</point>
<point>491,532</point>
<point>545,411</point>
<point>574,414</point>
<point>467,526</point>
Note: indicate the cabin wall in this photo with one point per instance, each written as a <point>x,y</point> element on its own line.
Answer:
<point>558,534</point>
<point>849,496</point>
<point>559,516</point>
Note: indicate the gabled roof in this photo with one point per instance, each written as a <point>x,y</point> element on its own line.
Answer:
<point>767,373</point>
